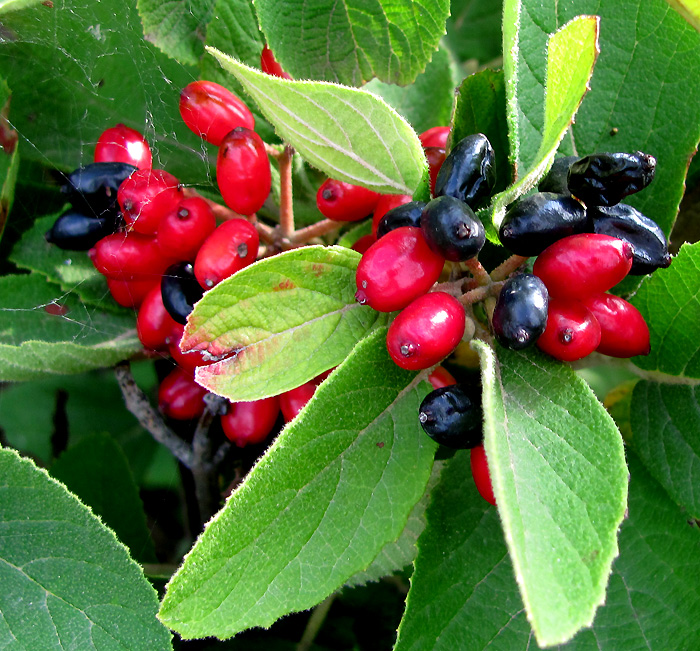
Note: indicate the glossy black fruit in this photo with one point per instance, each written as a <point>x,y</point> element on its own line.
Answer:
<point>92,189</point>
<point>533,223</point>
<point>520,315</point>
<point>451,229</point>
<point>73,231</point>
<point>407,214</point>
<point>452,416</point>
<point>469,172</point>
<point>605,179</point>
<point>556,180</point>
<point>649,246</point>
<point>180,290</point>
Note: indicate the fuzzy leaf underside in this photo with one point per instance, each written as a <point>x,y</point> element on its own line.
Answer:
<point>559,476</point>
<point>289,317</point>
<point>67,583</point>
<point>336,486</point>
<point>355,40</point>
<point>349,134</point>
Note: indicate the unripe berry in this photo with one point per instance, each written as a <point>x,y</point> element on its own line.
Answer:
<point>441,377</point>
<point>156,329</point>
<point>582,265</point>
<point>270,66</point>
<point>434,137</point>
<point>243,171</point>
<point>130,293</point>
<point>146,197</point>
<point>211,111</point>
<point>232,246</point>
<point>294,400</point>
<point>426,331</point>
<point>129,256</point>
<point>481,475</point>
<point>435,157</point>
<point>183,230</point>
<point>123,145</point>
<point>180,397</point>
<point>572,331</point>
<point>363,243</point>
<point>397,269</point>
<point>624,333</point>
<point>248,423</point>
<point>345,202</point>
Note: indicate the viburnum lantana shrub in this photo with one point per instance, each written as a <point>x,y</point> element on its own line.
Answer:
<point>274,233</point>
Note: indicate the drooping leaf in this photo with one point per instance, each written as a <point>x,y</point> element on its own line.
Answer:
<point>463,594</point>
<point>97,471</point>
<point>44,330</point>
<point>177,28</point>
<point>665,421</point>
<point>71,270</point>
<point>560,480</point>
<point>349,134</point>
<point>289,317</point>
<point>75,72</point>
<point>474,29</point>
<point>437,82</point>
<point>355,41</point>
<point>670,304</point>
<point>337,485</point>
<point>571,54</point>
<point>480,107</point>
<point>67,582</point>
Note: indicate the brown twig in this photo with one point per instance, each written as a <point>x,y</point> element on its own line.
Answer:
<point>286,204</point>
<point>303,235</point>
<point>507,267</point>
<point>477,270</point>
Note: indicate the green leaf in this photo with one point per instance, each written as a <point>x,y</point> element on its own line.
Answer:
<point>44,330</point>
<point>689,9</point>
<point>73,271</point>
<point>337,485</point>
<point>571,55</point>
<point>480,107</point>
<point>560,480</point>
<point>97,471</point>
<point>474,29</point>
<point>75,72</point>
<point>355,233</point>
<point>177,28</point>
<point>669,301</point>
<point>463,594</point>
<point>288,318</point>
<point>348,133</point>
<point>355,41</point>
<point>437,82</point>
<point>665,421</point>
<point>67,582</point>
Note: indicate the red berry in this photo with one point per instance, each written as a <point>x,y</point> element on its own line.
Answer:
<point>129,256</point>
<point>130,293</point>
<point>211,111</point>
<point>441,377</point>
<point>154,326</point>
<point>582,265</point>
<point>572,332</point>
<point>481,475</point>
<point>187,361</point>
<point>121,144</point>
<point>146,196</point>
<point>183,230</point>
<point>624,333</point>
<point>232,246</point>
<point>364,243</point>
<point>293,401</point>
<point>248,423</point>
<point>436,157</point>
<point>385,204</point>
<point>345,202</point>
<point>435,137</point>
<point>397,269</point>
<point>426,331</point>
<point>180,397</point>
<point>269,65</point>
<point>243,171</point>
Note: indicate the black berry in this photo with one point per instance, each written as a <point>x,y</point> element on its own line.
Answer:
<point>92,189</point>
<point>468,173</point>
<point>407,214</point>
<point>556,179</point>
<point>648,241</point>
<point>451,229</point>
<point>452,416</point>
<point>74,231</point>
<point>520,315</point>
<point>605,179</point>
<point>180,290</point>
